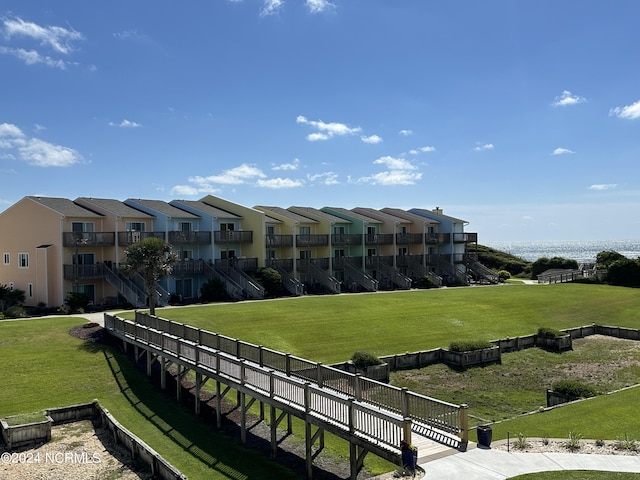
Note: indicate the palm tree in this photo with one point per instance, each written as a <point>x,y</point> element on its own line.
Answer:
<point>153,257</point>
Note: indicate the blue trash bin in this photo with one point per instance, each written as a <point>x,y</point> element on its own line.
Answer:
<point>410,458</point>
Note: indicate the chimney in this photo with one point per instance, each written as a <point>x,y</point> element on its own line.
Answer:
<point>438,210</point>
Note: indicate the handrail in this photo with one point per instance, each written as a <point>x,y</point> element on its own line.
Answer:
<point>444,416</point>
<point>384,428</point>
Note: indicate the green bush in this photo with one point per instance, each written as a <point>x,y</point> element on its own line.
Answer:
<point>573,388</point>
<point>503,275</point>
<point>365,359</point>
<point>469,345</point>
<point>547,332</point>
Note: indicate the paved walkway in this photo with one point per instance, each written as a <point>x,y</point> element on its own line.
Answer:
<point>490,464</point>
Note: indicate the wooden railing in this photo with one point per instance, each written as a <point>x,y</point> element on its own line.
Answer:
<point>444,416</point>
<point>380,428</point>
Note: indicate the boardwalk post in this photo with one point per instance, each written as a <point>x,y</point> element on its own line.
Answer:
<point>405,403</point>
<point>464,427</point>
<point>406,430</point>
<point>358,386</point>
<point>163,373</point>
<point>149,362</point>
<point>218,405</point>
<point>198,385</point>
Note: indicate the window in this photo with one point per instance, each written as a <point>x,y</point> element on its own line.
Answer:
<point>371,252</point>
<point>271,230</point>
<point>23,260</point>
<point>6,259</point>
<point>227,227</point>
<point>338,230</point>
<point>305,230</point>
<point>186,255</point>
<point>305,254</point>
<point>185,226</point>
<point>30,290</point>
<point>83,259</point>
<point>338,253</point>
<point>80,227</point>
<point>402,251</point>
<point>135,226</point>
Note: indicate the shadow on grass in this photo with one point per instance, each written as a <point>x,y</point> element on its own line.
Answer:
<point>183,429</point>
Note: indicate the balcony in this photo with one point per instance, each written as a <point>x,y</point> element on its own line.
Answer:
<point>244,264</point>
<point>88,239</point>
<point>279,241</point>
<point>379,239</point>
<point>312,240</point>
<point>83,272</point>
<point>131,237</point>
<point>183,238</point>
<point>409,238</point>
<point>188,267</point>
<point>465,237</point>
<point>340,239</point>
<point>233,236</point>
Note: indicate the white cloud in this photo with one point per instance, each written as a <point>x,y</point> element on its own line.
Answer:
<point>32,57</point>
<point>234,176</point>
<point>327,130</point>
<point>57,38</point>
<point>394,177</point>
<point>603,186</point>
<point>629,112</point>
<point>271,7</point>
<point>288,166</point>
<point>567,98</point>
<point>326,178</point>
<point>486,146</point>
<point>427,149</point>
<point>279,183</point>
<point>34,151</point>
<point>184,191</point>
<point>562,151</point>
<point>125,124</point>
<point>399,172</point>
<point>319,6</point>
<point>373,139</point>
<point>393,163</point>
<point>406,133</point>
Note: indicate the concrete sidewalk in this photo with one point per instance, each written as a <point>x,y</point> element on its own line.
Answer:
<point>485,463</point>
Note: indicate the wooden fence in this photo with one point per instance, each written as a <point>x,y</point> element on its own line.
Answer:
<point>21,435</point>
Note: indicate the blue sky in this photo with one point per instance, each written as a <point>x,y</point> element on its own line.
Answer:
<point>520,117</point>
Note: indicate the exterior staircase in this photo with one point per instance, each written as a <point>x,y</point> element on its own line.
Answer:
<point>483,272</point>
<point>398,279</point>
<point>135,295</point>
<point>358,276</point>
<point>231,287</point>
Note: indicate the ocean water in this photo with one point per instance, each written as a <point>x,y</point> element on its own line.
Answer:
<point>581,251</point>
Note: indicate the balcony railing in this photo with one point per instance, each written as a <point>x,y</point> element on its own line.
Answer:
<point>379,239</point>
<point>312,240</point>
<point>279,241</point>
<point>465,237</point>
<point>340,239</point>
<point>88,239</point>
<point>131,237</point>
<point>181,238</point>
<point>233,236</point>
<point>188,267</point>
<point>409,238</point>
<point>244,264</point>
<point>83,272</point>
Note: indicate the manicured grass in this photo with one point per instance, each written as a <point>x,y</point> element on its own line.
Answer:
<point>331,328</point>
<point>43,366</point>
<point>578,475</point>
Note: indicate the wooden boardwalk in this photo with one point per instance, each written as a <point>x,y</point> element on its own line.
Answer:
<point>358,413</point>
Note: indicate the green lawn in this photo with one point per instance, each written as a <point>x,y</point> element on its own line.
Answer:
<point>330,328</point>
<point>578,475</point>
<point>45,367</point>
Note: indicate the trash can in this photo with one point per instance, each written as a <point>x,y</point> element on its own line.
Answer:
<point>409,457</point>
<point>484,435</point>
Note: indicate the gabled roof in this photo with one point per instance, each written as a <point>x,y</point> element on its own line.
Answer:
<point>65,207</point>
<point>436,214</point>
<point>286,214</point>
<point>377,214</point>
<point>314,212</point>
<point>115,207</point>
<point>408,215</point>
<point>352,214</point>
<point>206,208</point>
<point>163,207</point>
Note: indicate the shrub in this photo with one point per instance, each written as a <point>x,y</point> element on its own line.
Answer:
<point>573,444</point>
<point>547,332</point>
<point>365,359</point>
<point>425,282</point>
<point>77,301</point>
<point>503,275</point>
<point>213,290</point>
<point>521,442</point>
<point>624,442</point>
<point>573,388</point>
<point>469,345</point>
